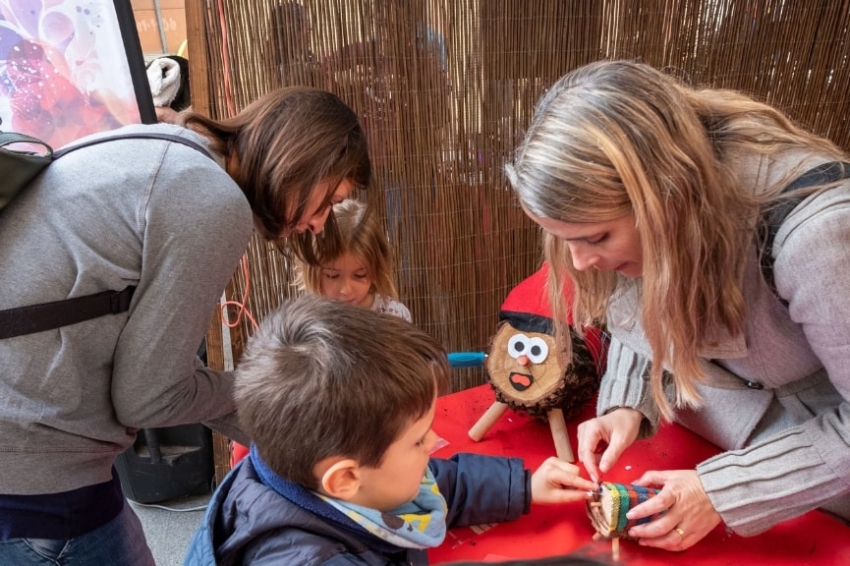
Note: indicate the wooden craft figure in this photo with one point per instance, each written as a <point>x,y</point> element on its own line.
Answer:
<point>607,511</point>
<point>530,372</point>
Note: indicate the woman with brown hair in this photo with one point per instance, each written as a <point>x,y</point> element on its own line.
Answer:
<point>171,223</point>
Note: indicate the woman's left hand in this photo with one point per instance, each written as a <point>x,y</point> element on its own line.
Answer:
<point>689,516</point>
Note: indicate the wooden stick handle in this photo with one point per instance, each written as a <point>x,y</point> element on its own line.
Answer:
<point>487,420</point>
<point>559,435</point>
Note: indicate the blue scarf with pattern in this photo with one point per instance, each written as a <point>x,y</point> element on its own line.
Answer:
<point>419,524</point>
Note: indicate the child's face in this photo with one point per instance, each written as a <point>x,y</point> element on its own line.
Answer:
<point>347,279</point>
<point>397,480</point>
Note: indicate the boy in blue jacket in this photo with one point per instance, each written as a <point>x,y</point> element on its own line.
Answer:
<point>339,402</point>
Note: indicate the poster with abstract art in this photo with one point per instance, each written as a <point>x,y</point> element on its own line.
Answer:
<point>70,68</point>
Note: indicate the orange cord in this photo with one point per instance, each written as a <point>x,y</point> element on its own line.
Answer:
<point>242,309</point>
<point>240,304</point>
<point>239,451</point>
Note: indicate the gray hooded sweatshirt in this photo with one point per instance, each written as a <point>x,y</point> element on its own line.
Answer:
<point>150,213</point>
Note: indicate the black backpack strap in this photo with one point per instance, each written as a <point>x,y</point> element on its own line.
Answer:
<point>823,174</point>
<point>49,316</point>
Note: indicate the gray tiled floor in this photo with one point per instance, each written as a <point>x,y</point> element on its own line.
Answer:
<point>170,525</point>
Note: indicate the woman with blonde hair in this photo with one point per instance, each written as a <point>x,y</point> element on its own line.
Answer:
<point>725,295</point>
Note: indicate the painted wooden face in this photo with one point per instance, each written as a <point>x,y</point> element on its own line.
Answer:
<point>526,367</point>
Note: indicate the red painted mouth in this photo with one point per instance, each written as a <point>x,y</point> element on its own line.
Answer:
<point>521,381</point>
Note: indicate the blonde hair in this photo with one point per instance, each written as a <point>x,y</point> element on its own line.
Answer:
<point>618,137</point>
<point>362,235</point>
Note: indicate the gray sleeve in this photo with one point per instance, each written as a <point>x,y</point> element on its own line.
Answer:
<point>195,225</point>
<point>228,425</point>
<point>780,478</point>
<point>626,384</point>
<point>805,466</point>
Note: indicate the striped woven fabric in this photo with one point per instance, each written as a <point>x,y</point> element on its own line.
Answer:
<point>609,508</point>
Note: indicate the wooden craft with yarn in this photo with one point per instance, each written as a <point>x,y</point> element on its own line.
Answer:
<point>607,510</point>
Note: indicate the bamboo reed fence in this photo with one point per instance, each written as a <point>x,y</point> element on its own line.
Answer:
<point>445,89</point>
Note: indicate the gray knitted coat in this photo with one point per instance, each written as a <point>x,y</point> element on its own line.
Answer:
<point>776,398</point>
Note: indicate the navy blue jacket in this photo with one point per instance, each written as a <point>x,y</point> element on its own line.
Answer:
<point>248,523</point>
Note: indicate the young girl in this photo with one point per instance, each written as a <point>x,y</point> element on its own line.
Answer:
<point>360,272</point>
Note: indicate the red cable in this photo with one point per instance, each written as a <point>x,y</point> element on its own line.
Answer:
<point>242,309</point>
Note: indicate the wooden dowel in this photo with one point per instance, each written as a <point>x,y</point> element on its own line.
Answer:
<point>487,420</point>
<point>559,434</point>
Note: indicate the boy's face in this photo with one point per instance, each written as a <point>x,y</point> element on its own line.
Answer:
<point>397,480</point>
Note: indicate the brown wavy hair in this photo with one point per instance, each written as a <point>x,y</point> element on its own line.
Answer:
<point>283,145</point>
<point>361,234</point>
<point>323,378</point>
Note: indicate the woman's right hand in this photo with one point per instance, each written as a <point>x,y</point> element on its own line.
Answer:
<point>603,439</point>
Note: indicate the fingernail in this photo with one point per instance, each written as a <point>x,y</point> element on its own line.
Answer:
<point>630,516</point>
<point>594,478</point>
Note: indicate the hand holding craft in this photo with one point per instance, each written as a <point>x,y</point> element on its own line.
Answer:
<point>689,514</point>
<point>618,429</point>
<point>556,481</point>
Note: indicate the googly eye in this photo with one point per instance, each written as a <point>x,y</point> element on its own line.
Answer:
<point>518,345</point>
<point>538,350</point>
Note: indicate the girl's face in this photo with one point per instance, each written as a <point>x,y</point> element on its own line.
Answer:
<point>347,279</point>
<point>315,214</point>
<point>607,246</point>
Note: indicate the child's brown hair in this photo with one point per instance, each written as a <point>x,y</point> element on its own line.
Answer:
<point>323,378</point>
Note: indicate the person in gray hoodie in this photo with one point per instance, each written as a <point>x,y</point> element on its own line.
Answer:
<point>173,223</point>
<point>340,401</point>
<point>727,302</point>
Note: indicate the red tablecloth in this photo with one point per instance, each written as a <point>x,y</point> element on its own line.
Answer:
<point>810,540</point>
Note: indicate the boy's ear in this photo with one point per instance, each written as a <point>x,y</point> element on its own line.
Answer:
<point>340,478</point>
